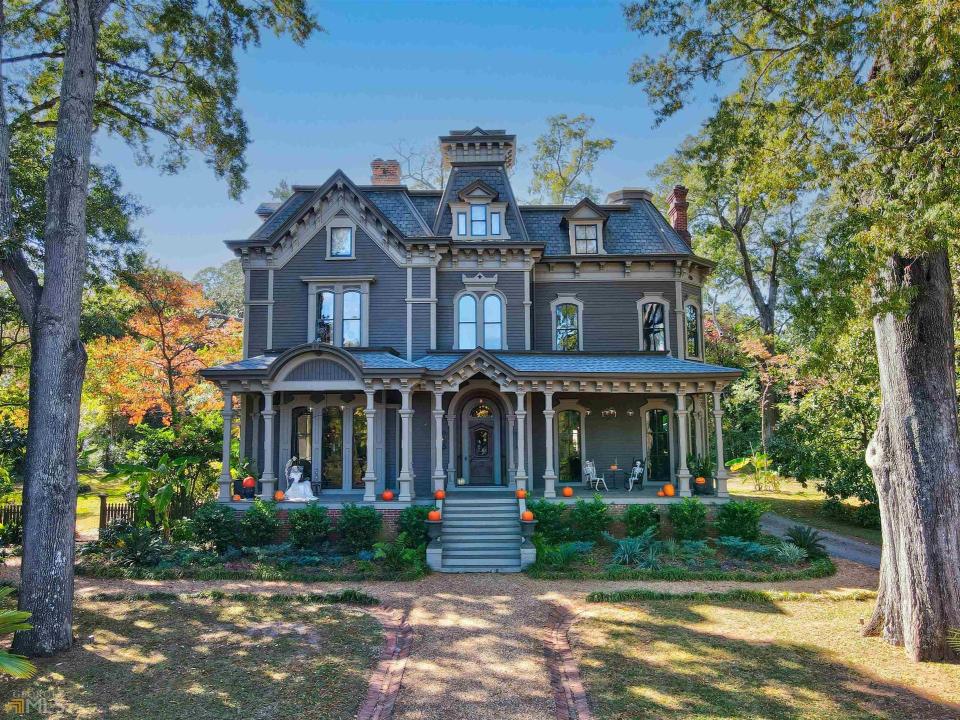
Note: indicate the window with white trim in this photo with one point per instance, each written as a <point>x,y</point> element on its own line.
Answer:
<point>478,220</point>
<point>586,237</point>
<point>351,322</point>
<point>467,322</point>
<point>567,326</point>
<point>341,242</point>
<point>480,321</point>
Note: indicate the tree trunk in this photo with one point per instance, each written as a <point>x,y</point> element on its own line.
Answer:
<point>915,462</point>
<point>58,359</point>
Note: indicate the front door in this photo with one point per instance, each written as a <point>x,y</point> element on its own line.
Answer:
<point>658,445</point>
<point>481,443</point>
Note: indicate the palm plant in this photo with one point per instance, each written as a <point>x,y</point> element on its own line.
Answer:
<point>10,622</point>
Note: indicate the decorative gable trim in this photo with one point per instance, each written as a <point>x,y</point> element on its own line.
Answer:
<point>477,190</point>
<point>586,209</point>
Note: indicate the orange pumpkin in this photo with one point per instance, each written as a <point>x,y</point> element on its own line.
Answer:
<point>249,481</point>
<point>567,491</point>
<point>526,516</point>
<point>387,495</point>
<point>278,495</point>
<point>669,490</point>
<point>236,498</point>
<point>700,480</point>
<point>439,495</point>
<point>521,493</point>
<point>433,515</point>
<point>660,492</point>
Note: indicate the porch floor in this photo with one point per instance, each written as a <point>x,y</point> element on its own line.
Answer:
<point>620,496</point>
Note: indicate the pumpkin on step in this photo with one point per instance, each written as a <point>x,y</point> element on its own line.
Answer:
<point>526,516</point>
<point>236,498</point>
<point>249,481</point>
<point>669,490</point>
<point>434,516</point>
<point>439,495</point>
<point>660,493</point>
<point>387,495</point>
<point>521,493</point>
<point>567,491</point>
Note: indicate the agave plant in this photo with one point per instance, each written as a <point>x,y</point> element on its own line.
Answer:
<point>809,539</point>
<point>788,553</point>
<point>10,622</point>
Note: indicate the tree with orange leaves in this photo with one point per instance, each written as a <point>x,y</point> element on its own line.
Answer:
<point>172,335</point>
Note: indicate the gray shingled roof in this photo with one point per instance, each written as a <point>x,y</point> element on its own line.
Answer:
<point>289,208</point>
<point>396,205</point>
<point>382,360</point>
<point>427,205</point>
<point>496,177</point>
<point>641,229</point>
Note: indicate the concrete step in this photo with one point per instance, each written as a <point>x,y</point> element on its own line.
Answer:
<point>481,568</point>
<point>481,541</point>
<point>471,514</point>
<point>485,502</point>
<point>466,557</point>
<point>480,522</point>
<point>468,560</point>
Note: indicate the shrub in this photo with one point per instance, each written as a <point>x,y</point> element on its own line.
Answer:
<point>398,556</point>
<point>359,526</point>
<point>744,549</point>
<point>216,524</point>
<point>412,523</point>
<point>310,526</point>
<point>183,530</point>
<point>559,557</point>
<point>125,544</point>
<point>689,519</point>
<point>641,551</point>
<point>866,515</point>
<point>588,520</point>
<point>740,518</point>
<point>553,520</point>
<point>788,553</point>
<point>11,533</point>
<point>637,518</point>
<point>808,539</point>
<point>259,524</point>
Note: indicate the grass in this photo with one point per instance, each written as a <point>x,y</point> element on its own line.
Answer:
<point>747,655</point>
<point>199,656</point>
<point>88,504</point>
<point>803,505</point>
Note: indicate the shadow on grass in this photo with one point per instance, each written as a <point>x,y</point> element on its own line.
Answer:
<point>650,663</point>
<point>209,658</point>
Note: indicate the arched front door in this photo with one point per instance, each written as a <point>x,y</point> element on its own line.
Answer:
<point>481,443</point>
<point>658,445</point>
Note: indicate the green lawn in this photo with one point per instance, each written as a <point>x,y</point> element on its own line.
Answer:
<point>88,504</point>
<point>753,659</point>
<point>211,658</point>
<point>803,505</point>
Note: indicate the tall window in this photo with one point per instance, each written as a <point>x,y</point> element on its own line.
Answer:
<point>586,239</point>
<point>693,331</point>
<point>325,317</point>
<point>303,438</point>
<point>495,223</point>
<point>569,441</point>
<point>658,445</point>
<point>331,447</point>
<point>478,220</point>
<point>568,327</point>
<point>467,322</point>
<point>351,318</point>
<point>341,242</point>
<point>359,468</point>
<point>654,326</point>
<point>492,322</point>
<point>461,223</point>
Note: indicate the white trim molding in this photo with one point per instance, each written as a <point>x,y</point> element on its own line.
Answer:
<point>342,222</point>
<point>338,286</point>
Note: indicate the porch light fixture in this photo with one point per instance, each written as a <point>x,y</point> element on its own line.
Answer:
<point>630,412</point>
<point>609,412</point>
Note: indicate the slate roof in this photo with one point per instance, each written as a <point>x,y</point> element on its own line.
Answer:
<point>427,205</point>
<point>496,177</point>
<point>574,363</point>
<point>286,211</point>
<point>397,205</point>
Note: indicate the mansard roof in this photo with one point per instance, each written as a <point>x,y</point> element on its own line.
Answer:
<point>494,177</point>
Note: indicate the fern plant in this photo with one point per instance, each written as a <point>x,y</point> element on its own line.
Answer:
<point>809,539</point>
<point>10,622</point>
<point>953,639</point>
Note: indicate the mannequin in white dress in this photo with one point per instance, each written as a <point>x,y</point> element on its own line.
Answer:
<point>298,487</point>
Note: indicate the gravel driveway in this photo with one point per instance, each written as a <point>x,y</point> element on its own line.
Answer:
<point>839,546</point>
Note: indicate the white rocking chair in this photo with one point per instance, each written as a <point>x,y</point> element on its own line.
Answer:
<point>593,480</point>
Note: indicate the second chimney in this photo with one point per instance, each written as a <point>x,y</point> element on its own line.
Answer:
<point>678,211</point>
<point>385,172</point>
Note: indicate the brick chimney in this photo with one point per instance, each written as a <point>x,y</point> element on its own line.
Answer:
<point>385,172</point>
<point>678,211</point>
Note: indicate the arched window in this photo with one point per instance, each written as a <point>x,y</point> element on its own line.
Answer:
<point>492,322</point>
<point>654,326</point>
<point>351,318</point>
<point>693,331</point>
<point>567,327</point>
<point>481,410</point>
<point>467,322</point>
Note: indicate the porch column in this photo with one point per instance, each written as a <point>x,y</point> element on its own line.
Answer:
<point>549,475</point>
<point>451,456</point>
<point>438,473</point>
<point>406,446</point>
<point>511,460</point>
<point>521,439</point>
<point>718,426</point>
<point>370,476</point>
<point>268,479</point>
<point>683,474</point>
<point>227,415</point>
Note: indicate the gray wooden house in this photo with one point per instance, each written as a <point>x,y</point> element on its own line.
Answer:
<point>416,340</point>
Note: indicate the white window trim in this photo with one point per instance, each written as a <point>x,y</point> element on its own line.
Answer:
<point>342,222</point>
<point>492,207</point>
<point>646,300</point>
<point>572,229</point>
<point>691,302</point>
<point>562,406</point>
<point>566,300</point>
<point>480,295</point>
<point>338,286</point>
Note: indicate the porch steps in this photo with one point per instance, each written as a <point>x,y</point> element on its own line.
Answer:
<point>481,533</point>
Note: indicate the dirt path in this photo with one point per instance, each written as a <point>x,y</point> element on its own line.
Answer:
<point>478,640</point>
<point>839,546</point>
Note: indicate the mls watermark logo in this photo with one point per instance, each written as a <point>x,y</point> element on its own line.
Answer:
<point>34,701</point>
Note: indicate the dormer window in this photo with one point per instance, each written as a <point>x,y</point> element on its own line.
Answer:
<point>478,214</point>
<point>478,220</point>
<point>586,239</point>
<point>461,223</point>
<point>494,223</point>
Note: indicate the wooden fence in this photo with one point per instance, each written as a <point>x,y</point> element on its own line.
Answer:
<point>109,512</point>
<point>11,513</point>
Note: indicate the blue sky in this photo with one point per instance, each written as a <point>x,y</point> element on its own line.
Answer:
<point>386,71</point>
